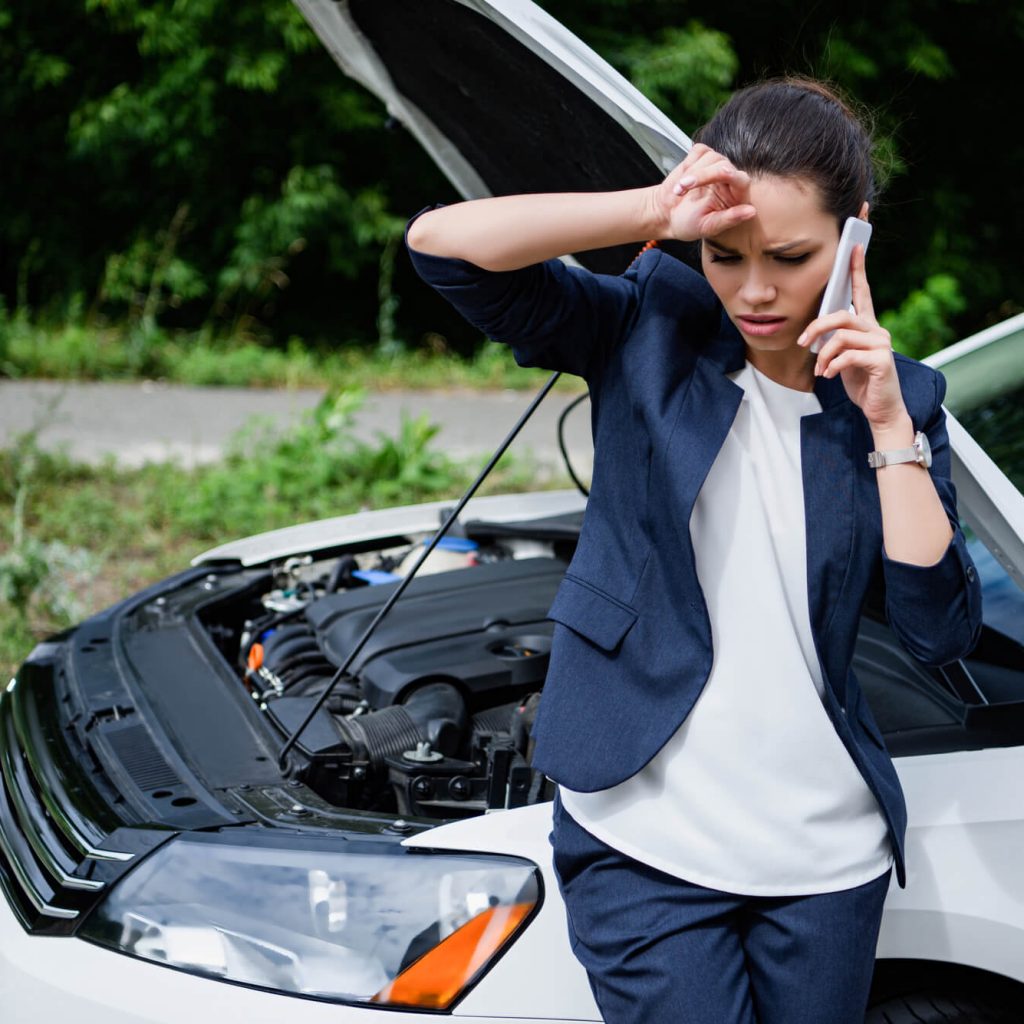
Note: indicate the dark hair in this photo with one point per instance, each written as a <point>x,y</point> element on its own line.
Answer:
<point>798,127</point>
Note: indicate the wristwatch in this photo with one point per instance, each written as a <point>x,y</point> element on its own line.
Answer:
<point>920,451</point>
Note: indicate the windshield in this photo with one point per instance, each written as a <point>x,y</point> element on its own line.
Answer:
<point>986,394</point>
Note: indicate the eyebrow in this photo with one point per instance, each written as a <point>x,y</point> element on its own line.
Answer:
<point>769,251</point>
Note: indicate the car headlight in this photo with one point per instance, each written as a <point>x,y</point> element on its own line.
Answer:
<point>353,920</point>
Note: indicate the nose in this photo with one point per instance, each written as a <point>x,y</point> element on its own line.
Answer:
<point>757,288</point>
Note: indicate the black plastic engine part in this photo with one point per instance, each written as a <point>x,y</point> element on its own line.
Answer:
<point>484,626</point>
<point>346,755</point>
<point>495,773</point>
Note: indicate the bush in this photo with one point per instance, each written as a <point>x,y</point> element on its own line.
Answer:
<point>920,326</point>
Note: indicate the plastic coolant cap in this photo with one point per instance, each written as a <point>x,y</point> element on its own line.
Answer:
<point>376,575</point>
<point>454,544</point>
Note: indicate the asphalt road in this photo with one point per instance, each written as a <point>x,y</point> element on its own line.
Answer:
<point>152,422</point>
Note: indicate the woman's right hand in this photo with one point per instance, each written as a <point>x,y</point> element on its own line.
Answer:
<point>702,196</point>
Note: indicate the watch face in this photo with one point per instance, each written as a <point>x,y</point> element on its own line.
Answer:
<point>922,445</point>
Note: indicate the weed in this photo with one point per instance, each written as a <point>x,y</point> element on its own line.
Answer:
<point>39,579</point>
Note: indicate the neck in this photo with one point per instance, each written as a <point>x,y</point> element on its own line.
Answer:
<point>793,368</point>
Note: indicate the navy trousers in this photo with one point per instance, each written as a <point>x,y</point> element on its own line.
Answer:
<point>661,950</point>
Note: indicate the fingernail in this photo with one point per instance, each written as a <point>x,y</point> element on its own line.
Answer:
<point>677,188</point>
<point>817,369</point>
<point>802,338</point>
<point>689,181</point>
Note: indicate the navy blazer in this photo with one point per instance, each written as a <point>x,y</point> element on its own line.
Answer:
<point>632,643</point>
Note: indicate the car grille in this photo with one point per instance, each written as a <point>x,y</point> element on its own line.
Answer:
<point>54,827</point>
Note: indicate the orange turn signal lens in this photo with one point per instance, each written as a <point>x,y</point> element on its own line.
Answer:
<point>436,978</point>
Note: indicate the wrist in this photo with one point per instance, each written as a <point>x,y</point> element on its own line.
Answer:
<point>653,221</point>
<point>897,433</point>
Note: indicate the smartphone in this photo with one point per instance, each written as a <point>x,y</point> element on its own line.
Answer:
<point>839,290</point>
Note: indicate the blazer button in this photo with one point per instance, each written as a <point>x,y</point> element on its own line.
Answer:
<point>970,573</point>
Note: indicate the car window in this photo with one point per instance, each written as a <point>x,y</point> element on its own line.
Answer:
<point>985,391</point>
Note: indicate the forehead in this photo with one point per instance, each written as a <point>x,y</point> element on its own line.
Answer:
<point>787,208</point>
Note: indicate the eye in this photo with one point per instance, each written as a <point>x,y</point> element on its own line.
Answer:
<point>793,259</point>
<point>723,259</point>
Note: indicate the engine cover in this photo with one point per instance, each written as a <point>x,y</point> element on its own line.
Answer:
<point>483,628</point>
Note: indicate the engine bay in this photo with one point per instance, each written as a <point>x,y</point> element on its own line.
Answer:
<point>432,717</point>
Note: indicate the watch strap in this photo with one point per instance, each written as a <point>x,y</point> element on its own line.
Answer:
<point>918,452</point>
<point>892,456</point>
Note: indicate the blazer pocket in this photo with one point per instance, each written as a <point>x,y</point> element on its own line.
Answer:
<point>589,611</point>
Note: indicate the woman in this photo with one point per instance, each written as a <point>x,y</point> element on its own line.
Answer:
<point>727,817</point>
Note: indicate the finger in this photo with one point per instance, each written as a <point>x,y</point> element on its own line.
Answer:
<point>848,338</point>
<point>697,150</point>
<point>844,341</point>
<point>722,220</point>
<point>683,168</point>
<point>859,279</point>
<point>720,171</point>
<point>829,322</point>
<point>715,169</point>
<point>851,357</point>
<point>700,154</point>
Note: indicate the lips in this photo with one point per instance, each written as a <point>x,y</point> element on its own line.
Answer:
<point>761,325</point>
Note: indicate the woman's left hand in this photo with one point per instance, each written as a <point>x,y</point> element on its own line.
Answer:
<point>860,351</point>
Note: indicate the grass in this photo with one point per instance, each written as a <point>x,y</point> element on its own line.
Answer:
<point>78,352</point>
<point>80,537</point>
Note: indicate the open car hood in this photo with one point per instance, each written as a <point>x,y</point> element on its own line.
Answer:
<point>504,99</point>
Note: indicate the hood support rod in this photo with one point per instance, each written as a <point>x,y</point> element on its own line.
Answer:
<point>404,582</point>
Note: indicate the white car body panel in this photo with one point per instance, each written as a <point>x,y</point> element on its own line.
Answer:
<point>386,522</point>
<point>965,840</point>
<point>982,339</point>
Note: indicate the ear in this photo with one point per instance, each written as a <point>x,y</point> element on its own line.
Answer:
<point>863,215</point>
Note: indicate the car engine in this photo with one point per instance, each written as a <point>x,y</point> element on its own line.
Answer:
<point>433,716</point>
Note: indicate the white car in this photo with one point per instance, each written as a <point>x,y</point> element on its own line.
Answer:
<point>161,861</point>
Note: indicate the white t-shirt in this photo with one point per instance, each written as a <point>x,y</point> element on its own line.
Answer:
<point>755,792</point>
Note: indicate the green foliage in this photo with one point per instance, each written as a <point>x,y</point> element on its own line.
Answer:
<point>316,468</point>
<point>687,71</point>
<point>75,351</point>
<point>246,365</point>
<point>202,164</point>
<point>270,231</point>
<point>148,276</point>
<point>922,323</point>
<point>37,577</point>
<point>155,180</point>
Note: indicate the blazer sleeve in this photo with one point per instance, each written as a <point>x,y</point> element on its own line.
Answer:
<point>553,315</point>
<point>935,610</point>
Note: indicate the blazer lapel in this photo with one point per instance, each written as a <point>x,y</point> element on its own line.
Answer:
<point>707,406</point>
<point>828,445</point>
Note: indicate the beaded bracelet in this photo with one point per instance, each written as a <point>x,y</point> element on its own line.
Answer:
<point>647,245</point>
